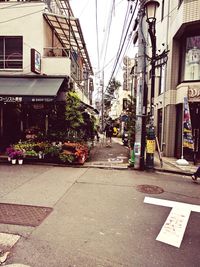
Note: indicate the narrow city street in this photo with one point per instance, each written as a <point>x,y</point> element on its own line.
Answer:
<point>94,216</point>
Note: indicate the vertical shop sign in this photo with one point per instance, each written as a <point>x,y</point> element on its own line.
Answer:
<point>187,126</point>
<point>35,61</point>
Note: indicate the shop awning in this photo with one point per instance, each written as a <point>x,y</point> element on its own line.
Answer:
<point>29,89</point>
<point>90,108</point>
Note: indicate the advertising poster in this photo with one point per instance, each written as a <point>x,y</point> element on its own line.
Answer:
<point>187,126</point>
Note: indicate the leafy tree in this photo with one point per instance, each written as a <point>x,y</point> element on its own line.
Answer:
<point>110,92</point>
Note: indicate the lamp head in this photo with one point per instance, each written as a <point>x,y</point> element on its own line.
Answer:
<point>150,8</point>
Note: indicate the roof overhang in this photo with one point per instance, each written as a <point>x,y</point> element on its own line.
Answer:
<point>15,90</point>
<point>90,108</point>
<point>69,33</point>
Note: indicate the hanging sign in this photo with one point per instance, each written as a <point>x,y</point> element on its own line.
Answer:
<point>150,148</point>
<point>187,126</point>
<point>35,61</point>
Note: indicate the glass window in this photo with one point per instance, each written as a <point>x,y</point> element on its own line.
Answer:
<point>192,58</point>
<point>11,51</point>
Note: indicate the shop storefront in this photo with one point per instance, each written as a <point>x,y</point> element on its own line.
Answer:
<point>28,106</point>
<point>194,108</point>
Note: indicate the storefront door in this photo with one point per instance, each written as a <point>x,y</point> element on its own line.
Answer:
<point>11,125</point>
<point>195,118</point>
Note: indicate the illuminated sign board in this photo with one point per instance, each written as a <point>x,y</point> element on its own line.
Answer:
<point>35,61</point>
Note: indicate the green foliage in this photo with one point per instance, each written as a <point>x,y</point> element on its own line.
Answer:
<point>66,157</point>
<point>73,114</point>
<point>52,151</point>
<point>31,153</point>
<point>131,120</point>
<point>113,86</point>
<point>109,96</point>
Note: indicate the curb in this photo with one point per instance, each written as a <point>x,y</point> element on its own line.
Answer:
<point>173,171</point>
<point>99,167</point>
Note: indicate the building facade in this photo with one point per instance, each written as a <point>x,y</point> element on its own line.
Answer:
<point>177,31</point>
<point>42,56</point>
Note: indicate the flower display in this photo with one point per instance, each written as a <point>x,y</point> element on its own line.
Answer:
<point>67,152</point>
<point>15,154</point>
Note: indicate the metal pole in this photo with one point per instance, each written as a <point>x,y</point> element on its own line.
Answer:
<point>151,131</point>
<point>141,97</point>
<point>102,104</point>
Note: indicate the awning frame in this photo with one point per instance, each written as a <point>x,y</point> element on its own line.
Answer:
<point>68,31</point>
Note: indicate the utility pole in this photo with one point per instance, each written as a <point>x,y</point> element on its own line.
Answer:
<point>102,101</point>
<point>141,100</point>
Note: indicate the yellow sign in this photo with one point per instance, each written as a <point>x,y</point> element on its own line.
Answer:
<point>151,145</point>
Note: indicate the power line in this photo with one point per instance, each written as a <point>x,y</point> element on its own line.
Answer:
<point>108,32</point>
<point>97,33</point>
<point>122,34</point>
<point>120,50</point>
<point>83,9</point>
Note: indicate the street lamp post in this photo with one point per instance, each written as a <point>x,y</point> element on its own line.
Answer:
<point>150,8</point>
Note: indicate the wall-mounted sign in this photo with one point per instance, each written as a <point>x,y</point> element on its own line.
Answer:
<point>10,99</point>
<point>194,93</point>
<point>33,99</point>
<point>35,61</point>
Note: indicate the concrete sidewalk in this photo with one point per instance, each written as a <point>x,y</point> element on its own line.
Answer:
<point>117,157</point>
<point>100,155</point>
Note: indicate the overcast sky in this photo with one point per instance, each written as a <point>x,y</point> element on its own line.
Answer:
<point>85,11</point>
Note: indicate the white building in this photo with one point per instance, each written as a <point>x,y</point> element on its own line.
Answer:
<point>42,55</point>
<point>177,30</point>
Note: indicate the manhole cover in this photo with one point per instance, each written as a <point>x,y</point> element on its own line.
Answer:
<point>150,189</point>
<point>23,214</point>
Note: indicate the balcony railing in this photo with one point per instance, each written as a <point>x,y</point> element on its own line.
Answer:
<point>56,52</point>
<point>56,61</point>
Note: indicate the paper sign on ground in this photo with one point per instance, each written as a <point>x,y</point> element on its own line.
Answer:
<point>174,227</point>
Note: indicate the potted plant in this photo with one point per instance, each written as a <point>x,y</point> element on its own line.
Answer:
<point>20,156</point>
<point>81,153</point>
<point>66,156</point>
<point>9,150</point>
<point>16,155</point>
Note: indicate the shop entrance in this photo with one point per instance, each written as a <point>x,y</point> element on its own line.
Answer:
<point>11,125</point>
<point>195,118</point>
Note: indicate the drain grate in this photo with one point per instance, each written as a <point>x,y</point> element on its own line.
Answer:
<point>150,189</point>
<point>23,214</point>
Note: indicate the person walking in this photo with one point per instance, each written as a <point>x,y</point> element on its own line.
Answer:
<point>109,133</point>
<point>196,174</point>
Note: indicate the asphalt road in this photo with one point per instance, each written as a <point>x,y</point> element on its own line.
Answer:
<point>99,217</point>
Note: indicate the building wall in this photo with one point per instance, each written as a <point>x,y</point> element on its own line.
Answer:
<point>179,17</point>
<point>17,19</point>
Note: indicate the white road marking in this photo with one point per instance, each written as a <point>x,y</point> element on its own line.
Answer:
<point>170,203</point>
<point>174,227</point>
<point>8,240</point>
<point>16,265</point>
<point>115,160</point>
